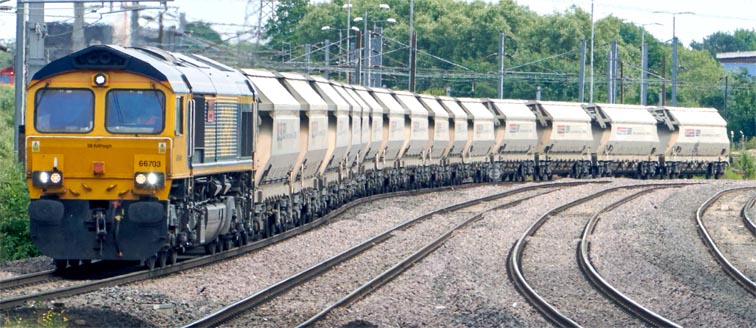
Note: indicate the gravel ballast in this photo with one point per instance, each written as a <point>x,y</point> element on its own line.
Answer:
<point>465,282</point>
<point>648,249</point>
<point>188,296</point>
<point>653,254</point>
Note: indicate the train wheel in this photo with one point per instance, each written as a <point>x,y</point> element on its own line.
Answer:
<point>210,248</point>
<point>150,262</point>
<point>163,259</point>
<point>172,257</point>
<point>550,177</point>
<point>269,226</point>
<point>244,238</point>
<point>227,244</point>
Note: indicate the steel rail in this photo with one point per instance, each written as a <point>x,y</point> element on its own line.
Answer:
<point>746,215</point>
<point>584,260</point>
<point>728,267</point>
<point>11,302</point>
<point>408,262</point>
<point>514,265</point>
<point>282,286</point>
<point>27,279</point>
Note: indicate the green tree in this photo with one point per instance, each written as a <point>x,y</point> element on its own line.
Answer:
<point>6,55</point>
<point>741,105</point>
<point>740,40</point>
<point>204,31</point>
<point>288,15</point>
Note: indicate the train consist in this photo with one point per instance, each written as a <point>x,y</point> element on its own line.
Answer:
<point>140,154</point>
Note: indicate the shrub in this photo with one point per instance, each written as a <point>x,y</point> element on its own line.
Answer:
<point>14,219</point>
<point>731,174</point>
<point>746,164</point>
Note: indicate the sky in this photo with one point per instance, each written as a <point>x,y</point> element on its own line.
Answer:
<point>706,16</point>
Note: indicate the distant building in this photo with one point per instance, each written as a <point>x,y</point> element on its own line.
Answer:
<point>6,76</point>
<point>735,61</point>
<point>59,42</point>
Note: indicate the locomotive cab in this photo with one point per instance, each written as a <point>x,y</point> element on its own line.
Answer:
<point>111,153</point>
<point>99,144</point>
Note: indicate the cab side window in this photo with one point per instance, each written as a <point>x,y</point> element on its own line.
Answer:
<point>179,116</point>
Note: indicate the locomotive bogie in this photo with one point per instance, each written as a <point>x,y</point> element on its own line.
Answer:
<point>85,230</point>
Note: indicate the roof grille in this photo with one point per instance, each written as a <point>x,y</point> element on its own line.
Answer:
<point>100,58</point>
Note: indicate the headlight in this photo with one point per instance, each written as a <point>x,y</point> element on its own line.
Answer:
<point>56,177</point>
<point>140,178</point>
<point>149,179</point>
<point>100,79</point>
<point>47,178</point>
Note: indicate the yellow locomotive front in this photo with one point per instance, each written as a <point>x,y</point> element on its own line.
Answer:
<point>102,149</point>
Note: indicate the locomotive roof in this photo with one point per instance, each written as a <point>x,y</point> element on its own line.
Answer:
<point>184,73</point>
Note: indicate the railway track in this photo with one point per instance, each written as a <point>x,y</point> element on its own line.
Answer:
<point>601,284</point>
<point>514,263</point>
<point>706,234</point>
<point>746,215</point>
<point>290,284</point>
<point>28,279</point>
<point>32,279</point>
<point>90,271</point>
